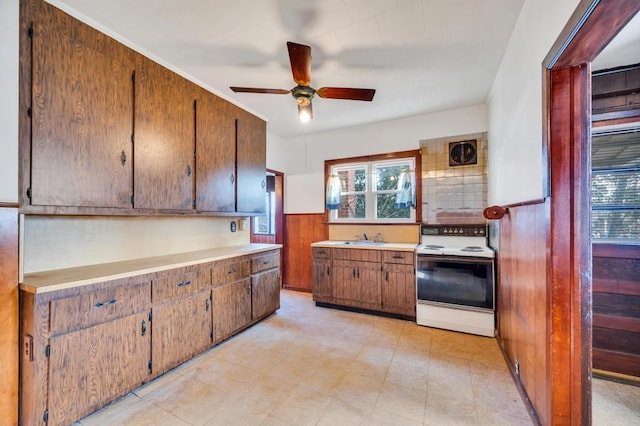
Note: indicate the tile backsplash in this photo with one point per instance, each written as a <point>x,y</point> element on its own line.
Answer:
<point>453,194</point>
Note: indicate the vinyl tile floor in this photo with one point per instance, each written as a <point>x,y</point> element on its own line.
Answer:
<point>307,365</point>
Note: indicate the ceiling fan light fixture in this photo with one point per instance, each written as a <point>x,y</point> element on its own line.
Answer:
<point>305,112</point>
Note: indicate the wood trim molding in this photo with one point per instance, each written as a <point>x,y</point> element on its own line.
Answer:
<point>569,254</point>
<point>590,29</point>
<point>622,251</point>
<point>526,203</point>
<point>9,348</point>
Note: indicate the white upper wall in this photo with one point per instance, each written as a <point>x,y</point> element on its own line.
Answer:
<point>302,158</point>
<point>9,31</point>
<point>515,104</point>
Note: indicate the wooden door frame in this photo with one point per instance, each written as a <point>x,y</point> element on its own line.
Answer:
<point>567,152</point>
<point>278,238</point>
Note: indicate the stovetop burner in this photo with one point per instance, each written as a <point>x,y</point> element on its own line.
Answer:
<point>454,240</point>
<point>472,248</point>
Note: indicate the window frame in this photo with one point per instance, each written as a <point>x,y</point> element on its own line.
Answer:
<point>612,170</point>
<point>371,200</point>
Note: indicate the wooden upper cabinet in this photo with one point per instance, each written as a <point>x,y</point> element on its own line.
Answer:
<point>251,163</point>
<point>82,109</point>
<point>215,154</point>
<point>164,138</point>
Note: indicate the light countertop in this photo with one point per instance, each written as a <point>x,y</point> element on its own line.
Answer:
<point>365,245</point>
<point>42,282</point>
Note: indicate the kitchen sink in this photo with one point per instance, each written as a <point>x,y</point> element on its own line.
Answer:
<point>363,243</point>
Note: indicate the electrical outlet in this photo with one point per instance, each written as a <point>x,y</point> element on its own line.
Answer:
<point>233,226</point>
<point>517,368</point>
<point>27,347</point>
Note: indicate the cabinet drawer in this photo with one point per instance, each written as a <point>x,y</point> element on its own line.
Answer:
<point>264,262</point>
<point>86,310</point>
<point>321,252</point>
<point>231,272</point>
<point>405,257</point>
<point>365,255</point>
<point>181,284</point>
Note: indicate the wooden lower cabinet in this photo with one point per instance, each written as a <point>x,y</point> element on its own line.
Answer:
<point>322,289</point>
<point>399,289</point>
<point>181,329</point>
<point>265,293</point>
<point>82,347</point>
<point>232,308</point>
<point>377,280</point>
<point>91,367</point>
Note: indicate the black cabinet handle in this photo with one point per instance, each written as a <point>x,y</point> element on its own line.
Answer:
<point>248,288</point>
<point>144,328</point>
<point>353,272</point>
<point>109,302</point>
<point>358,272</point>
<point>232,178</point>
<point>398,257</point>
<point>188,169</point>
<point>266,262</point>
<point>233,271</point>
<point>123,158</point>
<point>328,270</point>
<point>207,304</point>
<point>184,283</point>
<point>387,277</point>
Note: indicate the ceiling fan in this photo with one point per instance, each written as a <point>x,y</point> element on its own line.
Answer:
<point>300,58</point>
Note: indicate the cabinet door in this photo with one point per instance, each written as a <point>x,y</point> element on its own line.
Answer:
<point>181,329</point>
<point>231,308</point>
<point>345,285</point>
<point>164,138</point>
<point>265,293</point>
<point>82,116</point>
<point>215,154</point>
<point>90,367</point>
<point>251,161</point>
<point>321,279</point>
<point>368,273</point>
<point>399,289</point>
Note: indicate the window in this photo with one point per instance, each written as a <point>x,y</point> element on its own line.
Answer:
<point>369,191</point>
<point>615,185</point>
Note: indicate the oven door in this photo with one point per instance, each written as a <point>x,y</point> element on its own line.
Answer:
<point>461,281</point>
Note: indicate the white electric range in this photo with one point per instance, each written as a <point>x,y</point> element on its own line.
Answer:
<point>455,279</point>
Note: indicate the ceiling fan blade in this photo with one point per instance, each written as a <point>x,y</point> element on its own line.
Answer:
<point>346,93</point>
<point>259,90</point>
<point>300,58</point>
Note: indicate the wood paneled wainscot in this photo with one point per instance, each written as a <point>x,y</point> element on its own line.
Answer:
<point>92,334</point>
<point>377,278</point>
<point>616,309</point>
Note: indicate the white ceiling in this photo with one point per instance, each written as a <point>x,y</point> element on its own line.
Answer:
<point>420,55</point>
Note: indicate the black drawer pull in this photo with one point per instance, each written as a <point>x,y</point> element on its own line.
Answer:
<point>266,262</point>
<point>144,328</point>
<point>387,277</point>
<point>100,304</point>
<point>233,271</point>
<point>397,257</point>
<point>184,283</point>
